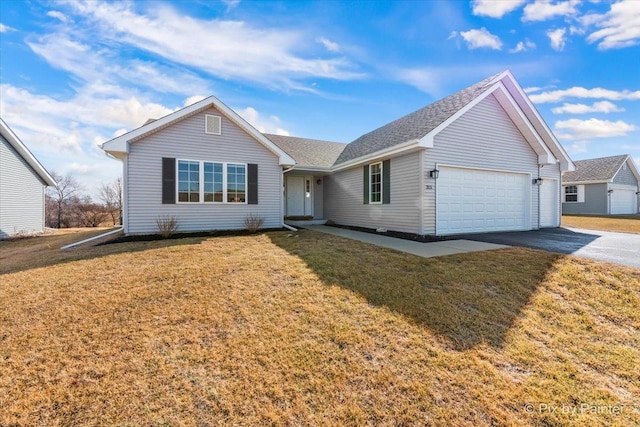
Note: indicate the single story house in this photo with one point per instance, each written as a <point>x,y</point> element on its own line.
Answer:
<point>23,181</point>
<point>603,186</point>
<point>480,160</point>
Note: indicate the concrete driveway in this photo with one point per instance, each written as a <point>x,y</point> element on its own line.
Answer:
<point>619,248</point>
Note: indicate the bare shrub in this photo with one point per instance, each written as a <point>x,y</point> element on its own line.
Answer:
<point>253,222</point>
<point>167,225</point>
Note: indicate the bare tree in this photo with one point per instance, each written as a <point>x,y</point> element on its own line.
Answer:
<point>59,195</point>
<point>111,197</point>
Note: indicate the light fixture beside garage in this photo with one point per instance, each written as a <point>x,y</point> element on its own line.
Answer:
<point>434,173</point>
<point>536,181</point>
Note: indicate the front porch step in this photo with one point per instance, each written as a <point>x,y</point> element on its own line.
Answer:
<point>304,222</point>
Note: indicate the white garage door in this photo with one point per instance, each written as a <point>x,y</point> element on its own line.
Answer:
<point>623,201</point>
<point>549,203</point>
<point>476,201</point>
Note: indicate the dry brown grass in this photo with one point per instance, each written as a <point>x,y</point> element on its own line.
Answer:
<point>315,330</point>
<point>622,224</point>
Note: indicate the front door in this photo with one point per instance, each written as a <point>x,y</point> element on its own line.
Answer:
<point>299,196</point>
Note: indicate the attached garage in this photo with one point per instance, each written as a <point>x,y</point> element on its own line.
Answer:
<point>480,201</point>
<point>623,200</point>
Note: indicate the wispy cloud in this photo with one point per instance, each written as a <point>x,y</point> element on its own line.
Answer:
<point>542,10</point>
<point>575,129</point>
<point>223,48</point>
<point>58,15</point>
<point>523,46</point>
<point>481,38</point>
<point>581,92</point>
<point>271,124</point>
<point>619,27</point>
<point>330,45</point>
<point>597,107</point>
<point>557,38</point>
<point>5,28</point>
<point>495,8</point>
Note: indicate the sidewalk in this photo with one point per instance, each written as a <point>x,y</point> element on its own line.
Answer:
<point>426,250</point>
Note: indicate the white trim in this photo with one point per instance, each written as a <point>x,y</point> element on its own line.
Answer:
<point>579,193</point>
<point>585,182</point>
<point>381,182</point>
<point>201,183</point>
<point>120,144</point>
<point>24,152</point>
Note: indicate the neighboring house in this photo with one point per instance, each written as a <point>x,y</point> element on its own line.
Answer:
<point>23,181</point>
<point>479,160</point>
<point>603,186</point>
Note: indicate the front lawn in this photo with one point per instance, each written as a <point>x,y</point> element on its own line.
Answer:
<point>621,223</point>
<point>274,329</point>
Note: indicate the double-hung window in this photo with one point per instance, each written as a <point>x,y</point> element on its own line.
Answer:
<point>211,182</point>
<point>571,193</point>
<point>375,183</point>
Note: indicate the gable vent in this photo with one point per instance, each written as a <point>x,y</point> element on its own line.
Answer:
<point>213,124</point>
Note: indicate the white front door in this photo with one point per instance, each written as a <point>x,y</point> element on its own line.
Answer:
<point>549,203</point>
<point>299,197</point>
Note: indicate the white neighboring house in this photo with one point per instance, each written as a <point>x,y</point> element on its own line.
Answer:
<point>602,186</point>
<point>479,160</point>
<point>23,181</point>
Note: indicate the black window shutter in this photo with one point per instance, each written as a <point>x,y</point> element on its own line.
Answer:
<point>168,180</point>
<point>386,182</point>
<point>366,184</point>
<point>252,179</point>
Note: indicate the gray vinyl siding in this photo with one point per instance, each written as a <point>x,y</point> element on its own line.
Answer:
<point>343,198</point>
<point>625,177</point>
<point>596,201</point>
<point>21,194</point>
<point>187,140</point>
<point>318,197</point>
<point>484,138</point>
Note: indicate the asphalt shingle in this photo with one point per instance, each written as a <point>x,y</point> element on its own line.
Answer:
<point>600,169</point>
<point>308,152</point>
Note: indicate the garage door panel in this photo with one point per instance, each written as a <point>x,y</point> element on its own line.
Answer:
<point>489,201</point>
<point>623,201</point>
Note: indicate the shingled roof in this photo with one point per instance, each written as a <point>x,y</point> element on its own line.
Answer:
<point>307,152</point>
<point>414,125</point>
<point>600,169</point>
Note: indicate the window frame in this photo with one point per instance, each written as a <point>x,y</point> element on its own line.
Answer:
<point>380,175</point>
<point>201,183</point>
<point>566,193</point>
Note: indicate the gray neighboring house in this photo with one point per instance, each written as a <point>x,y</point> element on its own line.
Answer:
<point>23,181</point>
<point>603,186</point>
<point>479,160</point>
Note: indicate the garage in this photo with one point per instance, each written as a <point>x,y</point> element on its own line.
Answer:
<point>623,200</point>
<point>479,201</point>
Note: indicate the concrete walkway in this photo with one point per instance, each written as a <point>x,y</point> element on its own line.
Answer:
<point>426,250</point>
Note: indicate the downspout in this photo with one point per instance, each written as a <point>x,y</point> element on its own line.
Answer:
<point>538,185</point>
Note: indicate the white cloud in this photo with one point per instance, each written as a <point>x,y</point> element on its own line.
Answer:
<point>481,38</point>
<point>542,10</point>
<point>495,8</point>
<point>58,15</point>
<point>557,38</point>
<point>619,27</point>
<point>580,92</point>
<point>193,99</point>
<point>578,147</point>
<point>5,28</point>
<point>264,125</point>
<point>223,48</point>
<point>523,46</point>
<point>81,169</point>
<point>576,129</point>
<point>331,46</point>
<point>597,107</point>
<point>425,79</point>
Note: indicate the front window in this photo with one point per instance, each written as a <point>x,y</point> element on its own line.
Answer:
<point>375,183</point>
<point>188,181</point>
<point>571,193</point>
<point>236,183</point>
<point>213,182</point>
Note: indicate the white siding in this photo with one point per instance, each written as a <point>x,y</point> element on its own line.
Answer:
<point>21,194</point>
<point>187,140</point>
<point>484,138</point>
<point>343,201</point>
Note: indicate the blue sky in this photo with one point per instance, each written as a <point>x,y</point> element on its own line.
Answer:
<point>74,74</point>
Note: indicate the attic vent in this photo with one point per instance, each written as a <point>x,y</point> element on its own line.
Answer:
<point>212,125</point>
<point>624,166</point>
